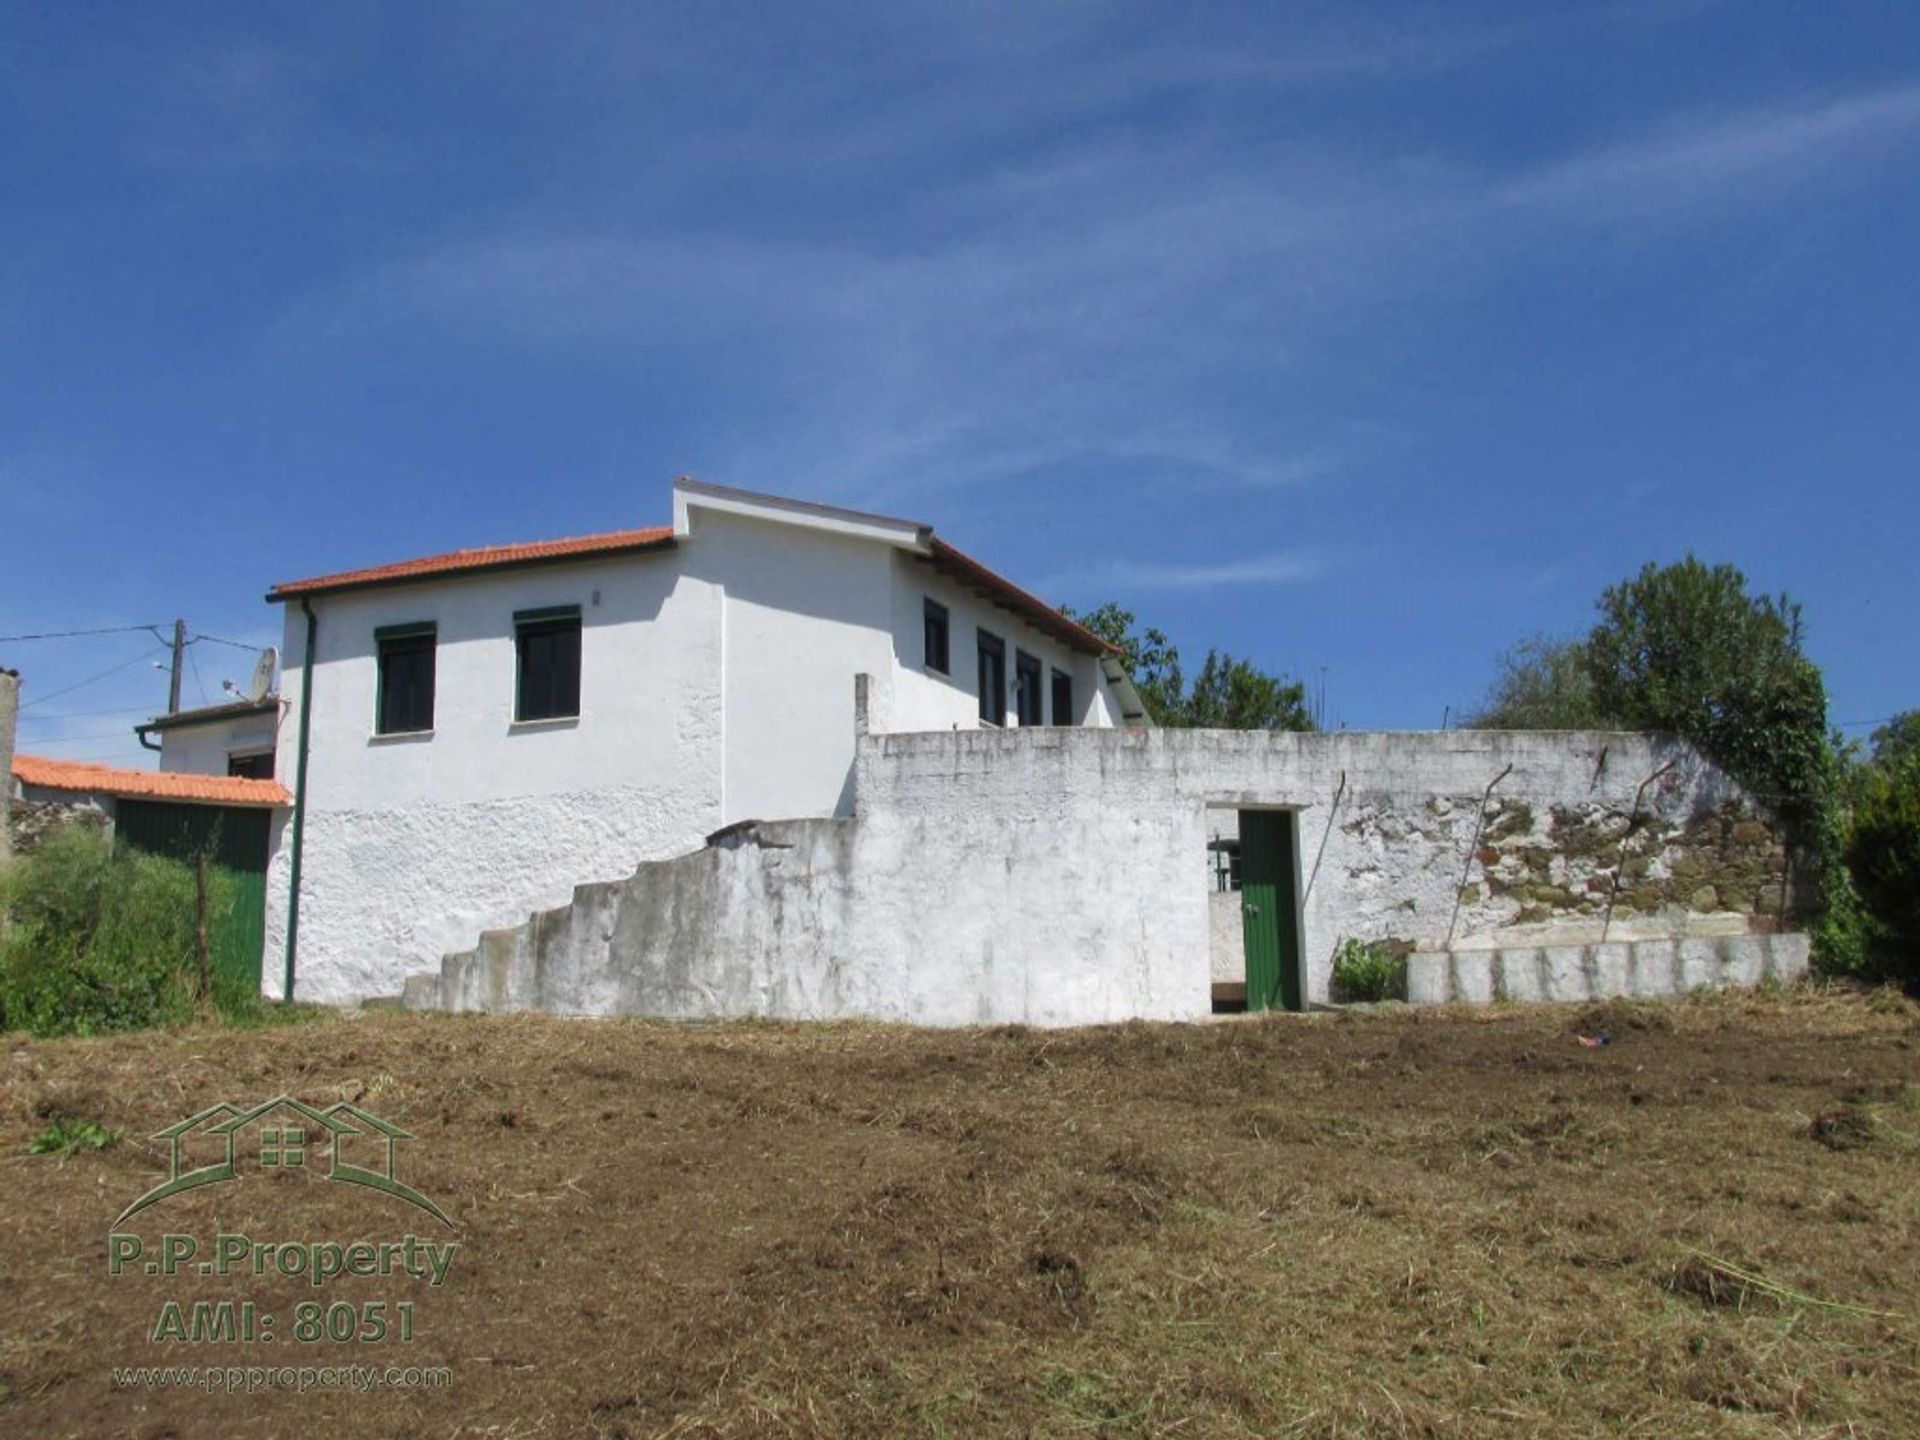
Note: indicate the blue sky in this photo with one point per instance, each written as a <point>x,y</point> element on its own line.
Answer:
<point>1371,338</point>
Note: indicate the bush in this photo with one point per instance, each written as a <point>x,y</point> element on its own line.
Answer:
<point>1364,972</point>
<point>94,938</point>
<point>1883,852</point>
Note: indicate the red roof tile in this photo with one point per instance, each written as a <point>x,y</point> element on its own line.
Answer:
<point>147,784</point>
<point>491,557</point>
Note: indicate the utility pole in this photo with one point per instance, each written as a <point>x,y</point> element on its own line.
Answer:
<point>179,654</point>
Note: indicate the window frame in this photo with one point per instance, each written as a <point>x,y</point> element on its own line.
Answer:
<point>408,641</point>
<point>529,625</point>
<point>989,647</point>
<point>246,765</point>
<point>933,614</point>
<point>1059,680</point>
<point>1027,667</point>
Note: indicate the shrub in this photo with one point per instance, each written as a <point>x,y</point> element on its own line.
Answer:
<point>1366,971</point>
<point>97,938</point>
<point>1883,852</point>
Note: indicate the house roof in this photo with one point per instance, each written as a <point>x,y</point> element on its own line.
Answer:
<point>147,784</point>
<point>909,534</point>
<point>491,557</point>
<point>210,714</point>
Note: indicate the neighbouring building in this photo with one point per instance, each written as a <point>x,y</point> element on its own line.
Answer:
<point>229,819</point>
<point>789,760</point>
<point>238,738</point>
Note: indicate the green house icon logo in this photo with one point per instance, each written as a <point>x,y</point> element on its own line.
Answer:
<point>291,1135</point>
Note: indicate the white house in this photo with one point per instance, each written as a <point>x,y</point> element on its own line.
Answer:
<point>471,735</point>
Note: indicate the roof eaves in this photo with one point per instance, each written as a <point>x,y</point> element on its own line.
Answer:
<point>458,564</point>
<point>1044,617</point>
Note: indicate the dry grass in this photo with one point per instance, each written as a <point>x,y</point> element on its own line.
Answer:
<point>1403,1224</point>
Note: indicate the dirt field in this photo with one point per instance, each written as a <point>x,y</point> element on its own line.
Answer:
<point>1437,1224</point>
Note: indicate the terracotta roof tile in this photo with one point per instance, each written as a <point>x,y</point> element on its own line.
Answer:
<point>491,557</point>
<point>147,784</point>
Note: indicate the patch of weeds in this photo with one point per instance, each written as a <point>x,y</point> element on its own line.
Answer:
<point>1365,972</point>
<point>67,1135</point>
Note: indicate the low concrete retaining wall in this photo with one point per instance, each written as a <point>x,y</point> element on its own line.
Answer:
<point>1597,972</point>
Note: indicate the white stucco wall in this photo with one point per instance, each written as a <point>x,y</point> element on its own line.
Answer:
<point>205,749</point>
<point>1105,832</point>
<point>1058,877</point>
<point>415,843</point>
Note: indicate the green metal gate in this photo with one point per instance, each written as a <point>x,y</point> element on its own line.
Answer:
<point>1269,910</point>
<point>235,839</point>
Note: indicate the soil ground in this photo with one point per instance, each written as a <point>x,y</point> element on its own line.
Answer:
<point>1395,1224</point>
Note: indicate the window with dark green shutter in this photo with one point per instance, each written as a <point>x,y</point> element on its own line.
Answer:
<point>548,642</point>
<point>405,704</point>
<point>1027,700</point>
<point>1063,699</point>
<point>993,679</point>
<point>934,625</point>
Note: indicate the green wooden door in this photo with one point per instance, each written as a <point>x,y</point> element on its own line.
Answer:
<point>1269,910</point>
<point>235,839</point>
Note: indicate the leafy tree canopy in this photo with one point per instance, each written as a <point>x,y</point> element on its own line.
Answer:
<point>1684,648</point>
<point>1543,684</point>
<point>1898,738</point>
<point>1228,694</point>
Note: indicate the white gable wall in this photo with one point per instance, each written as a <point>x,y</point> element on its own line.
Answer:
<point>803,611</point>
<point>205,749</point>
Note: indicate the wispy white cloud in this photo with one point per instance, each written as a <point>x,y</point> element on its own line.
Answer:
<point>1090,299</point>
<point>1117,576</point>
<point>1713,160</point>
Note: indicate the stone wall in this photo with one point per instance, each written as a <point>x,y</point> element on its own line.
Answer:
<point>31,821</point>
<point>1059,876</point>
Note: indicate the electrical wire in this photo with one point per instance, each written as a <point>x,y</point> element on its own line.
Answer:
<point>91,679</point>
<point>87,714</point>
<point>72,634</point>
<point>219,640</point>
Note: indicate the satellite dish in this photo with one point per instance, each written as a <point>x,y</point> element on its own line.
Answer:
<point>263,673</point>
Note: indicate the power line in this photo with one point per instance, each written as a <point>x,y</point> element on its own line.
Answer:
<point>76,739</point>
<point>86,714</point>
<point>218,640</point>
<point>72,634</point>
<point>91,679</point>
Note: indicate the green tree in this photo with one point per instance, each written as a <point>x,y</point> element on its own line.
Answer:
<point>1685,648</point>
<point>1227,694</point>
<point>1234,694</point>
<point>1898,738</point>
<point>1544,684</point>
<point>1883,856</point>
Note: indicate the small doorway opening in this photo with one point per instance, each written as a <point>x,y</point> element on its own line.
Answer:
<point>1255,926</point>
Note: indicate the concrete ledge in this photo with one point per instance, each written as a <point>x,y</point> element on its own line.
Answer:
<point>1649,968</point>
